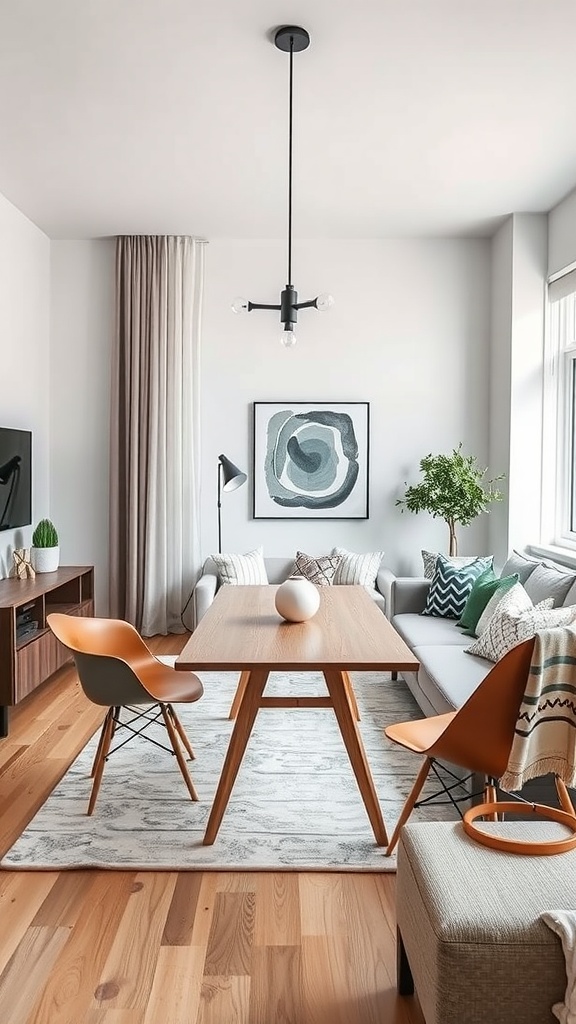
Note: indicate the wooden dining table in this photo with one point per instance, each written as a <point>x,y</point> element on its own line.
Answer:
<point>242,631</point>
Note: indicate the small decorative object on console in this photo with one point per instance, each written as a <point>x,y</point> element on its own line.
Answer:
<point>297,600</point>
<point>22,568</point>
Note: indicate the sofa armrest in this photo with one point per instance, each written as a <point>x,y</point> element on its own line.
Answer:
<point>204,593</point>
<point>402,593</point>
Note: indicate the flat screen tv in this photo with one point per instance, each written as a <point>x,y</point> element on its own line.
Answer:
<point>15,478</point>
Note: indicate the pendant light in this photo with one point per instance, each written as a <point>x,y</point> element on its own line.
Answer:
<point>291,39</point>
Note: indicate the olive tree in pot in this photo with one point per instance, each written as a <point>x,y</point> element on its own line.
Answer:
<point>45,552</point>
<point>453,489</point>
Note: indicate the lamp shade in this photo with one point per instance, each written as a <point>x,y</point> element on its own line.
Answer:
<point>232,477</point>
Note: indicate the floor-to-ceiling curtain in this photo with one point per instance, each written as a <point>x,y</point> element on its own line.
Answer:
<point>155,426</point>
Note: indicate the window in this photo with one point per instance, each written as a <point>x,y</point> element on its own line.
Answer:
<point>559,453</point>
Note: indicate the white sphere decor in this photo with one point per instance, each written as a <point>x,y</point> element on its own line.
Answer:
<point>297,600</point>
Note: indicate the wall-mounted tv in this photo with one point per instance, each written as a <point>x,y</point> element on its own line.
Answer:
<point>15,478</point>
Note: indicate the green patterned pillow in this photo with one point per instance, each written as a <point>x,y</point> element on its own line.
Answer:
<point>485,586</point>
<point>451,585</point>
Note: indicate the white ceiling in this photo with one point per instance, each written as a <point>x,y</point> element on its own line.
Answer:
<point>170,116</point>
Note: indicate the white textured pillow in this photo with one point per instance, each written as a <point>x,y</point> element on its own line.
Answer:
<point>358,569</point>
<point>241,570</point>
<point>513,622</point>
<point>429,561</point>
<point>520,602</point>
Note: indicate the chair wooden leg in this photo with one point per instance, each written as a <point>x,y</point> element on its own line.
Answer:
<point>180,730</point>
<point>176,748</point>
<point>564,796</point>
<point>240,691</point>
<point>490,797</point>
<point>351,695</point>
<point>101,740</point>
<point>409,805</point>
<point>107,734</point>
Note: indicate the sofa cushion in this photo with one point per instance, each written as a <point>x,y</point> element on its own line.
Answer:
<point>429,559</point>
<point>358,569</point>
<point>514,621</point>
<point>484,588</point>
<point>319,570</point>
<point>451,585</point>
<point>419,629</point>
<point>448,676</point>
<point>520,563</point>
<point>548,581</point>
<point>241,570</point>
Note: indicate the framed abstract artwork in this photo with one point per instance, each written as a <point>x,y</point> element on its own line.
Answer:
<point>311,460</point>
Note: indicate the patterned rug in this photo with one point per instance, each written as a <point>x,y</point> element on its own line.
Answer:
<point>295,804</point>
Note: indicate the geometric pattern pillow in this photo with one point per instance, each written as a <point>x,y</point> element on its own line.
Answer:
<point>429,559</point>
<point>509,627</point>
<point>358,569</point>
<point>241,570</point>
<point>320,570</point>
<point>451,585</point>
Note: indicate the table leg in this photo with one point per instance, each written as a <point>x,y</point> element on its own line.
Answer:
<point>351,695</point>
<point>243,726</point>
<point>240,691</point>
<point>353,743</point>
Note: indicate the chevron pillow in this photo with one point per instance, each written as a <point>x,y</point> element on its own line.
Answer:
<point>451,586</point>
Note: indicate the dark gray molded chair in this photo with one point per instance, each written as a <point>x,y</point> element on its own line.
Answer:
<point>117,670</point>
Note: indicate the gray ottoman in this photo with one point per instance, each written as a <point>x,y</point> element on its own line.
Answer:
<point>469,936</point>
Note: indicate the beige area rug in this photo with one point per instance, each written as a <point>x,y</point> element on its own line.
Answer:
<point>295,804</point>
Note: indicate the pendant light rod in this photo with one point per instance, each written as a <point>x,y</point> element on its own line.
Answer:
<point>291,39</point>
<point>290,121</point>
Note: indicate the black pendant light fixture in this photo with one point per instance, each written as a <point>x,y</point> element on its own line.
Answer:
<point>291,39</point>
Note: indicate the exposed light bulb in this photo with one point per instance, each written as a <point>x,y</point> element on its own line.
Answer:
<point>240,305</point>
<point>288,339</point>
<point>324,301</point>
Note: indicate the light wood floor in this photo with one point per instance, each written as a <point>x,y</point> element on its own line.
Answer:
<point>107,947</point>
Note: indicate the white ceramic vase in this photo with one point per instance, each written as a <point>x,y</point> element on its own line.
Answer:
<point>297,600</point>
<point>45,559</point>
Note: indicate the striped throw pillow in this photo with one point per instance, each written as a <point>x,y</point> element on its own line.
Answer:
<point>450,587</point>
<point>241,570</point>
<point>358,569</point>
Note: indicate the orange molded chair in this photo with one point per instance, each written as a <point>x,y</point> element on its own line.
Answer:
<point>478,737</point>
<point>117,670</point>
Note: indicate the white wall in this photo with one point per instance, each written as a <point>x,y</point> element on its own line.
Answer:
<point>500,382</point>
<point>409,333</point>
<point>562,234</point>
<point>24,355</point>
<point>81,329</point>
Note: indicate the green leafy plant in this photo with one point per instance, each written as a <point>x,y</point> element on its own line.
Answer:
<point>453,488</point>
<point>45,535</point>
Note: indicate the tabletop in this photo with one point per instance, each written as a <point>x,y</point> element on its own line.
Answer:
<point>243,630</point>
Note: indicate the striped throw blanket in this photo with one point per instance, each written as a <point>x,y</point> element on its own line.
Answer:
<point>545,735</point>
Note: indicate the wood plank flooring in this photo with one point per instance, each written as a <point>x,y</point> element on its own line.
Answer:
<point>107,947</point>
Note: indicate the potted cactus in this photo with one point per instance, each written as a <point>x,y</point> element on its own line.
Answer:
<point>45,552</point>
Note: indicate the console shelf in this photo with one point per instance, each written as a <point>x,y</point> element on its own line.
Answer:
<point>30,654</point>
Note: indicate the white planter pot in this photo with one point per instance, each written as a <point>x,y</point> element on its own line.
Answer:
<point>45,559</point>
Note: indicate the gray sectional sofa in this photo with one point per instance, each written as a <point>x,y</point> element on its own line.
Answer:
<point>447,674</point>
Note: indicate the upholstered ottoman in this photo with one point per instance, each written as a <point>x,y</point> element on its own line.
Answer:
<point>469,936</point>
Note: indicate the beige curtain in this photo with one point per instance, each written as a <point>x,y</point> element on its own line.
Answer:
<point>155,430</point>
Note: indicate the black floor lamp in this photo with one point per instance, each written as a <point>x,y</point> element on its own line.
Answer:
<point>229,478</point>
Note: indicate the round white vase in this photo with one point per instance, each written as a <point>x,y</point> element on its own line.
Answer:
<point>297,600</point>
<point>45,559</point>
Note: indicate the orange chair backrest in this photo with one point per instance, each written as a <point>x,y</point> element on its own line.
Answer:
<point>88,635</point>
<point>480,735</point>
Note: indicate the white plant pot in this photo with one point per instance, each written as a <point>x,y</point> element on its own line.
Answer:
<point>45,559</point>
<point>297,600</point>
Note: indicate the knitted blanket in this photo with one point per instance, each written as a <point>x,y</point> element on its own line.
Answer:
<point>545,735</point>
